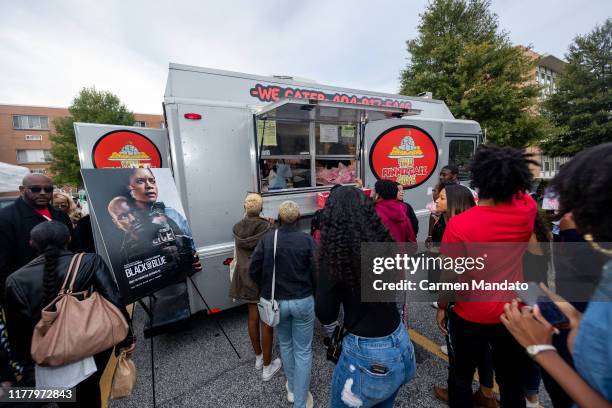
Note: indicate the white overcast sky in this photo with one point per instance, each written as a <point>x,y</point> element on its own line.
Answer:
<point>49,50</point>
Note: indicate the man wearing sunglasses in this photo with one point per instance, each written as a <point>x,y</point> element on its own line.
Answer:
<point>17,220</point>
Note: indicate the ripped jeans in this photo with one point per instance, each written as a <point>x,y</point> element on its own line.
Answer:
<point>372,369</point>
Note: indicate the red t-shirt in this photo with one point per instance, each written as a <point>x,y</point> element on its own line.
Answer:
<point>511,223</point>
<point>44,212</point>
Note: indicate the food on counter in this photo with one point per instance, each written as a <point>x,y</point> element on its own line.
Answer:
<point>336,175</point>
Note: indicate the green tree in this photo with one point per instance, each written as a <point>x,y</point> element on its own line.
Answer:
<point>90,106</point>
<point>582,106</point>
<point>462,57</point>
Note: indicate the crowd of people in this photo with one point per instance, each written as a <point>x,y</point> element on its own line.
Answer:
<point>319,275</point>
<point>37,245</point>
<point>307,277</point>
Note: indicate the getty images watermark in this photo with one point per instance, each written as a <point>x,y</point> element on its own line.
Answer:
<point>470,271</point>
<point>459,265</point>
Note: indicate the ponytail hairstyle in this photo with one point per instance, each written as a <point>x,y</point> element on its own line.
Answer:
<point>49,238</point>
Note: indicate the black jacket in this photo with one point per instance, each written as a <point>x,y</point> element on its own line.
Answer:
<point>414,221</point>
<point>83,235</point>
<point>16,222</point>
<point>24,295</point>
<point>294,264</point>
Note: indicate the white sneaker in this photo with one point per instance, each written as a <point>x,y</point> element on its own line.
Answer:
<point>444,349</point>
<point>291,397</point>
<point>270,370</point>
<point>309,401</point>
<point>259,362</point>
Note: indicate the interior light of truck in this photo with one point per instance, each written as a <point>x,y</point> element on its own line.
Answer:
<point>193,116</point>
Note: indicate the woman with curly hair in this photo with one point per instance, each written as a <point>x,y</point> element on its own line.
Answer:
<point>454,199</point>
<point>377,355</point>
<point>505,214</point>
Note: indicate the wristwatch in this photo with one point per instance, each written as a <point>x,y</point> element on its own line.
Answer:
<point>534,349</point>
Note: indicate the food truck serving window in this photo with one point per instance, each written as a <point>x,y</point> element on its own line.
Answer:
<point>305,145</point>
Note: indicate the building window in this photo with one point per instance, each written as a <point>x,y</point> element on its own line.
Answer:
<point>546,166</point>
<point>30,122</point>
<point>32,156</point>
<point>33,138</point>
<point>140,123</point>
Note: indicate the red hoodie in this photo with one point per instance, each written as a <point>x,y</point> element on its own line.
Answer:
<point>393,215</point>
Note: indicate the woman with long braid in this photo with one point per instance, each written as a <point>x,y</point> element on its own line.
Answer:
<point>35,285</point>
<point>377,355</point>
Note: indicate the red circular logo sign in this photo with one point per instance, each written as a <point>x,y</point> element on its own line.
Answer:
<point>405,154</point>
<point>127,149</point>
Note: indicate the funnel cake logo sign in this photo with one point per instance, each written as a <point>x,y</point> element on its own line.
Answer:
<point>125,149</point>
<point>405,154</point>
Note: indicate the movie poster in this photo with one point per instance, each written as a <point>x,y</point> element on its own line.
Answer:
<point>145,233</point>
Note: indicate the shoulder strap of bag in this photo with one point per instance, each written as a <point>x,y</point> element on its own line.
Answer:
<point>73,270</point>
<point>274,265</point>
<point>68,273</point>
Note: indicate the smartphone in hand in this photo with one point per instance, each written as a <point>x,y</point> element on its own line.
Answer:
<point>534,295</point>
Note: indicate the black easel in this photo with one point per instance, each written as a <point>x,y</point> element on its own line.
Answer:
<point>214,317</point>
<point>149,313</point>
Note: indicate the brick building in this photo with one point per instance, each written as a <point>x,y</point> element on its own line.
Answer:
<point>25,131</point>
<point>545,73</point>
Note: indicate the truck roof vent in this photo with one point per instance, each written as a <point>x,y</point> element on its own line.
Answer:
<point>426,95</point>
<point>294,78</point>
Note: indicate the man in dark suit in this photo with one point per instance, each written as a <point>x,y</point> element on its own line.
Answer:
<point>16,222</point>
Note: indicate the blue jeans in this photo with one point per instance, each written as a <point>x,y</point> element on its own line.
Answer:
<point>294,331</point>
<point>371,370</point>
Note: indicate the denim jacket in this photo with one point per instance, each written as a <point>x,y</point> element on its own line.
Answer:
<point>593,345</point>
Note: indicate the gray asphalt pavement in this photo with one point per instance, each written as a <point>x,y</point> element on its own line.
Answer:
<point>196,367</point>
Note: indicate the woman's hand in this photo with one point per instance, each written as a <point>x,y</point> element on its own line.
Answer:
<point>128,350</point>
<point>527,325</point>
<point>441,320</point>
<point>197,266</point>
<point>566,308</point>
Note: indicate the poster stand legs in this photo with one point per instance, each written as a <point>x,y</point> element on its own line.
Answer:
<point>214,317</point>
<point>150,314</point>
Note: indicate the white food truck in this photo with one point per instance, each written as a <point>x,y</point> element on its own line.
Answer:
<point>229,133</point>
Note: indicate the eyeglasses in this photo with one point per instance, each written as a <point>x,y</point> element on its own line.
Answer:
<point>38,189</point>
